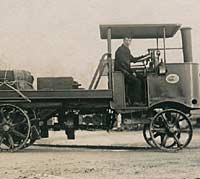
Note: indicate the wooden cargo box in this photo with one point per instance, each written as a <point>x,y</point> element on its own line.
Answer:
<point>56,83</point>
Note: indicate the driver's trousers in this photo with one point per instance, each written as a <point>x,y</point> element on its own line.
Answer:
<point>133,89</point>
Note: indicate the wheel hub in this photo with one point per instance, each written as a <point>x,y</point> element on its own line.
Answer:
<point>6,127</point>
<point>172,130</point>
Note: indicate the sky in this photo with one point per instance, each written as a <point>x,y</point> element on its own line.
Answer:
<point>61,37</point>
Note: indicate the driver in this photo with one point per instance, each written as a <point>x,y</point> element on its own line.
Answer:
<point>133,85</point>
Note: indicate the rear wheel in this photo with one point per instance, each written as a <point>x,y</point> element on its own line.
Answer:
<point>171,130</point>
<point>14,128</point>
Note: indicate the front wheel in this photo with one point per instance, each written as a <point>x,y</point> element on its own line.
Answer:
<point>171,130</point>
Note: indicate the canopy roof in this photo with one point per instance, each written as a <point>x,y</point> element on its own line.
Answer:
<point>139,31</point>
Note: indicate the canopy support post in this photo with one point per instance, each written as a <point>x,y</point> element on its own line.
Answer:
<point>164,43</point>
<point>157,43</point>
<point>109,58</point>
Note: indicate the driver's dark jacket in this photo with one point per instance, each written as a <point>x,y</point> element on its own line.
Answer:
<point>123,58</point>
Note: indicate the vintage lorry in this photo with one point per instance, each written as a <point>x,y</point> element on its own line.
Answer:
<point>171,92</point>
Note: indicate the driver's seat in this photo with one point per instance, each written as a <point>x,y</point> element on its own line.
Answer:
<point>119,92</point>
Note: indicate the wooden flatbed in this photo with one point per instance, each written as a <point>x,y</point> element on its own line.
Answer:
<point>59,95</point>
<point>73,98</point>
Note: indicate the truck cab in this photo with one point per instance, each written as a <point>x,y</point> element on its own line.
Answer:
<point>163,82</point>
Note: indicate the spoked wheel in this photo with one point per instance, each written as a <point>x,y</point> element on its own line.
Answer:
<point>171,130</point>
<point>14,128</point>
<point>147,136</point>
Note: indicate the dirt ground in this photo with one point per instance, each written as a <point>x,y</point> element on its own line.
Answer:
<point>131,159</point>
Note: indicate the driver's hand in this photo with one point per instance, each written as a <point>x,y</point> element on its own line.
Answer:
<point>149,58</point>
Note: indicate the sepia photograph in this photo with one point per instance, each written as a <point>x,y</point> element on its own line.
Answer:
<point>99,89</point>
